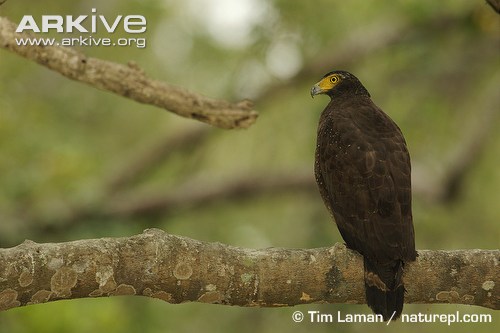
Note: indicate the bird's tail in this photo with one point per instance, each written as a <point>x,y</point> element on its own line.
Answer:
<point>384,288</point>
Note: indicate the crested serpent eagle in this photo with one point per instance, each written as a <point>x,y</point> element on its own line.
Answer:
<point>363,169</point>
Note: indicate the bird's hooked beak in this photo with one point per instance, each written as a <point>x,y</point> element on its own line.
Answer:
<point>316,90</point>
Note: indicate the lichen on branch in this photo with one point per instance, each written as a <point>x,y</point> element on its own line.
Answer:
<point>177,269</point>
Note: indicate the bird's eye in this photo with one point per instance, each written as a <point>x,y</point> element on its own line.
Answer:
<point>334,79</point>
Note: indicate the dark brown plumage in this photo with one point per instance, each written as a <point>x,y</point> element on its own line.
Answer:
<point>363,173</point>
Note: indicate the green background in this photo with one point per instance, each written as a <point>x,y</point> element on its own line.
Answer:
<point>433,66</point>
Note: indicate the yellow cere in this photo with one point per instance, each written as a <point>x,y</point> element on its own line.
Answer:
<point>329,82</point>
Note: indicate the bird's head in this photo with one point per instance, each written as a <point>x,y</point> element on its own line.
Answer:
<point>337,83</point>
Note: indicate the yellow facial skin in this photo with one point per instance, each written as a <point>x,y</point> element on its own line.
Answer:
<point>326,84</point>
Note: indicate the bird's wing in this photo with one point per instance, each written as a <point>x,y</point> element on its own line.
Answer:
<point>364,168</point>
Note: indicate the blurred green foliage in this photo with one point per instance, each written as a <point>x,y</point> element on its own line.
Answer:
<point>434,66</point>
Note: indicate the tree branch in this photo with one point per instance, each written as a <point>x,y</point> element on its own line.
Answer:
<point>495,5</point>
<point>468,150</point>
<point>201,193</point>
<point>143,162</point>
<point>129,81</point>
<point>195,194</point>
<point>178,269</point>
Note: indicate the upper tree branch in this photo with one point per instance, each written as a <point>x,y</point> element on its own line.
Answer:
<point>129,81</point>
<point>178,269</point>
